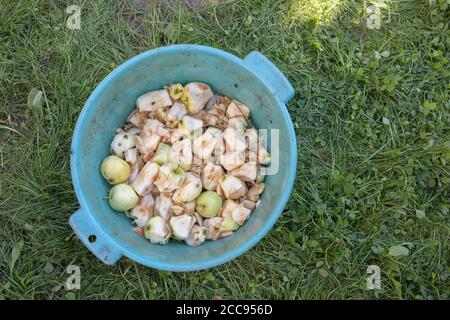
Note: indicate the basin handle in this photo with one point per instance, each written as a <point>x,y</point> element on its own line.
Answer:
<point>271,75</point>
<point>93,237</point>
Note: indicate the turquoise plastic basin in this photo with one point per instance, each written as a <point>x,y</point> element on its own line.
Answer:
<point>254,80</point>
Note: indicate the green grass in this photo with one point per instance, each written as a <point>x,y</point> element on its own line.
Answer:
<point>373,142</point>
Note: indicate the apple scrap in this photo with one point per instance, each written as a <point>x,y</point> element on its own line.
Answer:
<point>186,165</point>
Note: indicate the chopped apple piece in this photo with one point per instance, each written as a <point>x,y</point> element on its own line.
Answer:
<point>197,236</point>
<point>190,188</point>
<point>175,114</point>
<point>232,187</point>
<point>255,191</point>
<point>237,109</point>
<point>162,154</point>
<point>246,172</point>
<point>189,124</point>
<point>137,118</point>
<point>181,226</point>
<point>157,231</point>
<point>219,107</point>
<point>181,153</point>
<point>195,96</point>
<point>121,143</point>
<point>204,145</point>
<point>154,100</point>
<point>169,177</point>
<point>249,204</point>
<point>143,210</point>
<point>239,124</point>
<point>227,207</point>
<point>161,114</point>
<point>145,179</point>
<point>234,140</point>
<point>175,91</point>
<point>233,160</point>
<point>212,227</point>
<point>210,176</point>
<point>240,214</point>
<point>263,156</point>
<point>208,119</point>
<point>162,206</point>
<point>131,155</point>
